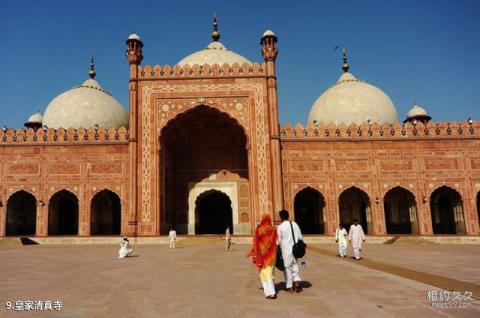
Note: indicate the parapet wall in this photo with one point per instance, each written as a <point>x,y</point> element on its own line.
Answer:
<point>431,130</point>
<point>62,136</point>
<point>148,72</point>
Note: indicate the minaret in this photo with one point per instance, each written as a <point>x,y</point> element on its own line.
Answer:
<point>134,56</point>
<point>270,52</point>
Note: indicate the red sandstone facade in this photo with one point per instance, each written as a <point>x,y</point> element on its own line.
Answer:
<point>214,130</point>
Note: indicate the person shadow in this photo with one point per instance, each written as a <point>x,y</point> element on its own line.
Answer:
<point>282,286</point>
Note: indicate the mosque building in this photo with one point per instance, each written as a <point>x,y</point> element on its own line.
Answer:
<point>201,149</point>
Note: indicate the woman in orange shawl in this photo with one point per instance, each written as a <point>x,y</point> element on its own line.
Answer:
<point>264,253</point>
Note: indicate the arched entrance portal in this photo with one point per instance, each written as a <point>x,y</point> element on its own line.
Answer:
<point>400,212</point>
<point>355,204</point>
<point>105,214</point>
<point>21,214</point>
<point>213,213</point>
<point>63,214</point>
<point>196,146</point>
<point>447,211</point>
<point>308,207</point>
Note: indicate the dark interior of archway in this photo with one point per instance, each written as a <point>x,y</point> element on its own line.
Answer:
<point>105,214</point>
<point>63,214</point>
<point>195,145</point>
<point>308,208</point>
<point>353,204</point>
<point>442,204</point>
<point>213,213</point>
<point>397,204</point>
<point>21,214</point>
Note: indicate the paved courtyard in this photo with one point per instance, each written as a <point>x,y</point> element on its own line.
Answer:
<point>200,279</point>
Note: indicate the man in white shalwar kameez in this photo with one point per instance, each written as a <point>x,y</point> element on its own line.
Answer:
<point>357,237</point>
<point>172,237</point>
<point>125,249</point>
<point>228,239</point>
<point>285,240</point>
<point>341,238</point>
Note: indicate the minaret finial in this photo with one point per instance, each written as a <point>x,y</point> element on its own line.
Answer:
<point>215,33</point>
<point>92,73</point>
<point>345,65</point>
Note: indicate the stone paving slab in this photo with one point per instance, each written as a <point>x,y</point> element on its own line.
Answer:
<point>200,280</point>
<point>459,262</point>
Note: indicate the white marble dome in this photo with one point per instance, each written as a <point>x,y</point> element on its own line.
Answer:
<point>85,106</point>
<point>36,118</point>
<point>416,111</point>
<point>215,53</point>
<point>351,100</point>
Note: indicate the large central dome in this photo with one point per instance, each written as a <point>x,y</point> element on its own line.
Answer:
<point>214,53</point>
<point>352,101</point>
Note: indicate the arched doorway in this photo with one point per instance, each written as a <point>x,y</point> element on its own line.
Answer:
<point>213,213</point>
<point>105,216</point>
<point>21,214</point>
<point>355,204</point>
<point>309,205</point>
<point>63,214</point>
<point>400,212</point>
<point>446,207</point>
<point>195,146</point>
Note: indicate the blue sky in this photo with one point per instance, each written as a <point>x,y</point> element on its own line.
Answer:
<point>423,51</point>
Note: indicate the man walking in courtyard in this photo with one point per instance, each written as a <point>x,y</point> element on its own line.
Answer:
<point>228,239</point>
<point>286,241</point>
<point>357,237</point>
<point>172,237</point>
<point>341,239</point>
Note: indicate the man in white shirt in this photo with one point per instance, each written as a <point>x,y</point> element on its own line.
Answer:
<point>341,238</point>
<point>286,241</point>
<point>172,237</point>
<point>357,237</point>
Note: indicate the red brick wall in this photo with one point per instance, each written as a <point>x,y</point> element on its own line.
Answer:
<point>84,162</point>
<point>419,159</point>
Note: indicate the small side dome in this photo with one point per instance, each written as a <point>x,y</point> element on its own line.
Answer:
<point>134,36</point>
<point>417,113</point>
<point>268,33</point>
<point>35,121</point>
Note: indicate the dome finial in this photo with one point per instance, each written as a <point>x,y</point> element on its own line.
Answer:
<point>92,73</point>
<point>345,65</point>
<point>215,33</point>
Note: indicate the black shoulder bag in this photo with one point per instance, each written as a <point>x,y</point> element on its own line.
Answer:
<point>299,248</point>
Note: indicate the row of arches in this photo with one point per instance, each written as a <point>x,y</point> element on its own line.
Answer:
<point>63,214</point>
<point>400,210</point>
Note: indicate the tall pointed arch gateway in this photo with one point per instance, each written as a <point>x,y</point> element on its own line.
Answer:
<point>174,111</point>
<point>202,145</point>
